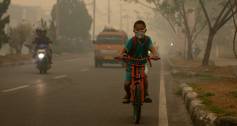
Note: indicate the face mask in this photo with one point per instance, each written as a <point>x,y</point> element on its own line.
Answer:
<point>140,35</point>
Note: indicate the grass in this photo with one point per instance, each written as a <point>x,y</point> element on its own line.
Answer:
<point>204,96</point>
<point>200,76</point>
<point>217,110</point>
<point>210,106</point>
<point>207,94</point>
<point>214,87</point>
<point>233,93</point>
<point>207,77</point>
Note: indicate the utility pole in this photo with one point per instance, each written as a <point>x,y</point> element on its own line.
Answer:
<point>121,21</point>
<point>94,16</point>
<point>127,22</point>
<point>57,20</point>
<point>109,13</point>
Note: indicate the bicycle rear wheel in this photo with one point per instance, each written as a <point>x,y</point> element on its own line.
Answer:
<point>137,105</point>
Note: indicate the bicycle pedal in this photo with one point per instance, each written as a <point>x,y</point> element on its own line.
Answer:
<point>148,101</point>
<point>126,102</point>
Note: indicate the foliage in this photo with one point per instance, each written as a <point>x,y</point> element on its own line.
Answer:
<point>4,4</point>
<point>226,10</point>
<point>70,24</point>
<point>73,19</point>
<point>177,13</point>
<point>20,35</point>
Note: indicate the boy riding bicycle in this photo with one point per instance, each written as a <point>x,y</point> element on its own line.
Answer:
<point>138,47</point>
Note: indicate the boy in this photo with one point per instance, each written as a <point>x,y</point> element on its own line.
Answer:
<point>138,47</point>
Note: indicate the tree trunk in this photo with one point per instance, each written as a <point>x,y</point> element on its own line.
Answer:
<point>234,44</point>
<point>189,53</point>
<point>18,50</point>
<point>211,36</point>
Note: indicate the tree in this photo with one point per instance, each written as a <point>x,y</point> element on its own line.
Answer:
<point>72,22</point>
<point>177,12</point>
<point>4,5</point>
<point>19,35</point>
<point>74,19</point>
<point>235,25</point>
<point>191,32</point>
<point>227,11</point>
<point>52,27</point>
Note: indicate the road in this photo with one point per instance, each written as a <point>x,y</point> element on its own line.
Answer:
<point>74,93</point>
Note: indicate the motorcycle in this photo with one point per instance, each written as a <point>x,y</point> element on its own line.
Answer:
<point>42,59</point>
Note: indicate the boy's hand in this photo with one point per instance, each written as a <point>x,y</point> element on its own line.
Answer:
<point>120,56</point>
<point>122,53</point>
<point>155,57</point>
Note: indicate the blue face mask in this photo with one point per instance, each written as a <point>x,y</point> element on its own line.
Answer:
<point>140,35</point>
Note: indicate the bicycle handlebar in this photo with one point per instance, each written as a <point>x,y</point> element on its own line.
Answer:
<point>135,59</point>
<point>127,58</point>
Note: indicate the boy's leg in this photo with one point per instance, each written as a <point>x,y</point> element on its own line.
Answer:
<point>146,81</point>
<point>146,86</point>
<point>127,90</point>
<point>147,98</point>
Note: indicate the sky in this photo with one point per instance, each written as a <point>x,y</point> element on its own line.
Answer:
<point>46,4</point>
<point>133,11</point>
<point>128,10</point>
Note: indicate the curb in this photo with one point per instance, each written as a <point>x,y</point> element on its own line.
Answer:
<point>199,115</point>
<point>16,64</point>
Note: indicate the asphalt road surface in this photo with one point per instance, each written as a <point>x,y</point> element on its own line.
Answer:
<point>74,93</point>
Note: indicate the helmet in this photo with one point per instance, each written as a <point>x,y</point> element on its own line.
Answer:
<point>40,31</point>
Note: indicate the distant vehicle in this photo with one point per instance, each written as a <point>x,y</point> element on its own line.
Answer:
<point>42,59</point>
<point>108,45</point>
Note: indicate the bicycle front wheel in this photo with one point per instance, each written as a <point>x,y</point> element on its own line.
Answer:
<point>137,105</point>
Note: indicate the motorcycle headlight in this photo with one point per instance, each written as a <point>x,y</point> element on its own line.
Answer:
<point>41,55</point>
<point>172,44</point>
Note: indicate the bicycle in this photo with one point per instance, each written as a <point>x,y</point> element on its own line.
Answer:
<point>137,83</point>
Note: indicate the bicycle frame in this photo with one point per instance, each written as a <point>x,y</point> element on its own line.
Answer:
<point>137,87</point>
<point>138,78</point>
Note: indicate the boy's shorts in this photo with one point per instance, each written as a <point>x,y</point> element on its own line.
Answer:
<point>128,73</point>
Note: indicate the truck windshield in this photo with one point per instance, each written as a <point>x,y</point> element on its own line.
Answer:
<point>109,39</point>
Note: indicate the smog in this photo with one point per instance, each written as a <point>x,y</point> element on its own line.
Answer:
<point>118,62</point>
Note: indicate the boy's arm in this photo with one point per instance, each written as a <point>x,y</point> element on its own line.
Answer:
<point>124,50</point>
<point>154,51</point>
<point>126,47</point>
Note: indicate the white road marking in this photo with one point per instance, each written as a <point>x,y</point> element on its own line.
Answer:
<point>60,77</point>
<point>163,117</point>
<point>14,89</point>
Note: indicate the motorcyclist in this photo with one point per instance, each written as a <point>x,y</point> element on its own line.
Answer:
<point>143,44</point>
<point>42,39</point>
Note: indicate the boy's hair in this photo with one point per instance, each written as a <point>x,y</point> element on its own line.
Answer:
<point>139,22</point>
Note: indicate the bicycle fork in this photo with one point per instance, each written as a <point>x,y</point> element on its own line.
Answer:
<point>138,78</point>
